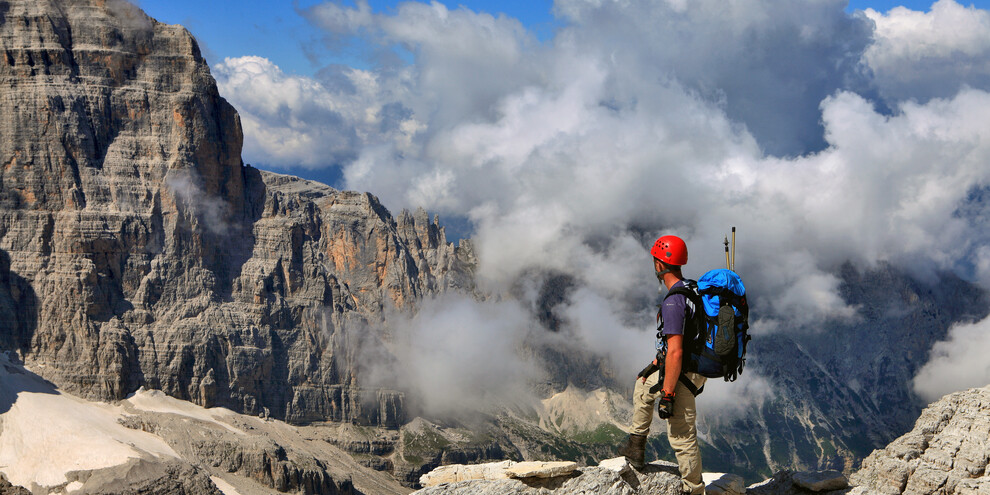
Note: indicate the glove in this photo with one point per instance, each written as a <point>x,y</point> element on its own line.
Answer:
<point>665,407</point>
<point>648,370</point>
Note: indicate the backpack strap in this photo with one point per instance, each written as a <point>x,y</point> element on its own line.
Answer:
<point>695,391</point>
<point>688,290</point>
<point>691,323</point>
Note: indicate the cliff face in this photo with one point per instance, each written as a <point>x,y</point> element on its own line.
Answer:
<point>136,248</point>
<point>948,451</point>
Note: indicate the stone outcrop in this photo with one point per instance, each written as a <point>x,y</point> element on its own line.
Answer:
<point>8,489</point>
<point>947,452</point>
<point>141,476</point>
<point>137,250</point>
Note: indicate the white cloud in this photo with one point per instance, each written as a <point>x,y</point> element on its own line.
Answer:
<point>924,55</point>
<point>292,120</point>
<point>957,363</point>
<point>211,211</point>
<point>458,354</point>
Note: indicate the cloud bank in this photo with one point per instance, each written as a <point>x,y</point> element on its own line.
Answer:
<point>958,363</point>
<point>825,137</point>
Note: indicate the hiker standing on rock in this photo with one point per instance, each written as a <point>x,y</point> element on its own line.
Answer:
<point>664,378</point>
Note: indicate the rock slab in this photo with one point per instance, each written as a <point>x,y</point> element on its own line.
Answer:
<point>540,469</point>
<point>461,472</point>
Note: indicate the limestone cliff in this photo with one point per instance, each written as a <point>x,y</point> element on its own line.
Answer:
<point>137,250</point>
<point>947,452</point>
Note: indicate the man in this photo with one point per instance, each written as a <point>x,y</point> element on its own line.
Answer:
<point>676,401</point>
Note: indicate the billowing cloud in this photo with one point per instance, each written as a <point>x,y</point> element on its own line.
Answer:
<point>299,121</point>
<point>802,125</point>
<point>457,354</point>
<point>957,363</point>
<point>923,55</point>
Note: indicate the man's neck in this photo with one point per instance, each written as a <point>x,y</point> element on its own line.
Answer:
<point>669,279</point>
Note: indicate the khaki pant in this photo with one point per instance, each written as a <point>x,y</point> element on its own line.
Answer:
<point>681,430</point>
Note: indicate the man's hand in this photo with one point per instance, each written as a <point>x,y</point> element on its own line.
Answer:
<point>665,406</point>
<point>648,370</point>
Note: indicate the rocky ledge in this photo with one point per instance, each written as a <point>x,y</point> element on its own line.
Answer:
<point>612,476</point>
<point>947,452</point>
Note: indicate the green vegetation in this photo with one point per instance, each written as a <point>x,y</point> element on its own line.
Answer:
<point>828,450</point>
<point>605,433</point>
<point>427,441</point>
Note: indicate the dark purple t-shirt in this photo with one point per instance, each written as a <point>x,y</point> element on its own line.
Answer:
<point>674,311</point>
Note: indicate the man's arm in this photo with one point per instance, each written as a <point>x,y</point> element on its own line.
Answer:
<point>672,368</point>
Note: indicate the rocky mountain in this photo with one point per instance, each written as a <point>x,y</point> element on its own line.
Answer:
<point>137,250</point>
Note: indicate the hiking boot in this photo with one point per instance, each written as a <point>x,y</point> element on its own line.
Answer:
<point>635,450</point>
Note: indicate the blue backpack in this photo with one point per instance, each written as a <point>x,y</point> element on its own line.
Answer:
<point>716,335</point>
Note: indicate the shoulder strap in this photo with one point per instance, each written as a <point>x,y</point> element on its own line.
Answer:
<point>690,291</point>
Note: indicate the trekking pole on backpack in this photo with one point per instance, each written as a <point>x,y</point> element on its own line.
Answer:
<point>733,267</point>
<point>728,266</point>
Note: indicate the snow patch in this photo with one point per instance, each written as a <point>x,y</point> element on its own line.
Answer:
<point>158,402</point>
<point>47,433</point>
<point>223,486</point>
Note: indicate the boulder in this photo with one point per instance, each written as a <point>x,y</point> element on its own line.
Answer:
<point>724,484</point>
<point>618,464</point>
<point>820,481</point>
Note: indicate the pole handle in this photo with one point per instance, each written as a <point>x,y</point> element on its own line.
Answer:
<point>727,261</point>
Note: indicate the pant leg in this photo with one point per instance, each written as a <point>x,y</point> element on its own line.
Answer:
<point>682,433</point>
<point>643,402</point>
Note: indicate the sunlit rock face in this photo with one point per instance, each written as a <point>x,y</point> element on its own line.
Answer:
<point>137,249</point>
<point>948,451</point>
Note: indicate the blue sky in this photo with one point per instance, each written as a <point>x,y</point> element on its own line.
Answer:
<point>275,30</point>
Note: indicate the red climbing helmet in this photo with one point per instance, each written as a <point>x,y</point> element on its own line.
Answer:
<point>671,250</point>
